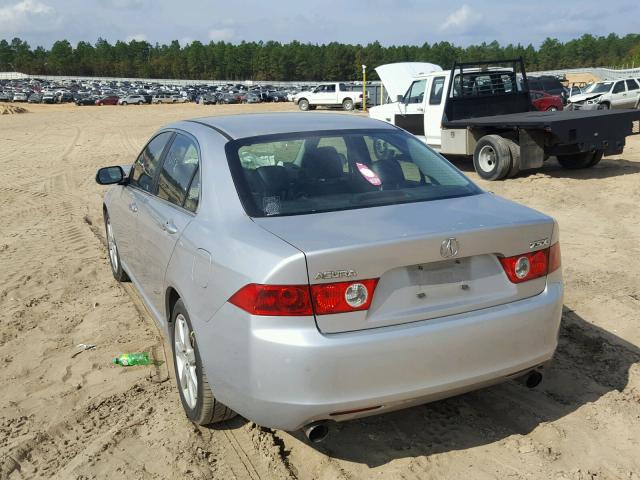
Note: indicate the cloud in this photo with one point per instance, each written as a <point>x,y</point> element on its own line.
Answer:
<point>224,33</point>
<point>28,15</point>
<point>124,4</point>
<point>462,19</point>
<point>138,37</point>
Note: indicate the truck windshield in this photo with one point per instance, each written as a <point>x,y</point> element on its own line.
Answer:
<point>327,171</point>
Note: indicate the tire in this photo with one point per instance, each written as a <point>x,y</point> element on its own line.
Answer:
<point>492,157</point>
<point>303,104</point>
<point>140,103</point>
<point>580,160</point>
<point>552,109</point>
<point>347,105</point>
<point>514,150</point>
<point>125,104</point>
<point>201,407</point>
<point>112,250</point>
<point>100,104</point>
<point>604,106</point>
<point>597,156</point>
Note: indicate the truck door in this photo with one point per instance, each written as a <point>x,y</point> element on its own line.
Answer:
<point>411,116</point>
<point>435,108</point>
<point>324,95</point>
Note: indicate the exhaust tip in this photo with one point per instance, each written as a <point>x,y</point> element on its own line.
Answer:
<point>316,432</point>
<point>533,379</point>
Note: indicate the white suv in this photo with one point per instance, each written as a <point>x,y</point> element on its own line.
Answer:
<point>624,93</point>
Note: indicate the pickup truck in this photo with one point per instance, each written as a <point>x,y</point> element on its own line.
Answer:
<point>484,109</point>
<point>328,95</point>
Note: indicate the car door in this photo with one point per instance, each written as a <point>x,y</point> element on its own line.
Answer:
<point>140,186</point>
<point>619,95</point>
<point>126,206</point>
<point>163,217</point>
<point>412,117</point>
<point>633,93</point>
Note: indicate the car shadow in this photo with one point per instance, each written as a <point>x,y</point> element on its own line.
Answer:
<point>607,168</point>
<point>589,363</point>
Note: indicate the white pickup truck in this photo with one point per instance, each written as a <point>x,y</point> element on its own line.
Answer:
<point>328,95</point>
<point>484,109</point>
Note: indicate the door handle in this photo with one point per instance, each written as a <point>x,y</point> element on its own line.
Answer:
<point>133,207</point>
<point>420,109</point>
<point>169,227</point>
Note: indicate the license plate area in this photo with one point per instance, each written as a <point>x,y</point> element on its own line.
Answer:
<point>447,272</point>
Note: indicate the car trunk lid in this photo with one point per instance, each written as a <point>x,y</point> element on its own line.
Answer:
<point>403,247</point>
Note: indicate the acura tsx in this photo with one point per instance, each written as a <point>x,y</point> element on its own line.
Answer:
<point>315,268</point>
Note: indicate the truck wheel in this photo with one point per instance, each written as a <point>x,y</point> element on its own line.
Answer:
<point>580,160</point>
<point>198,401</point>
<point>347,105</point>
<point>303,104</point>
<point>492,157</point>
<point>604,106</point>
<point>514,149</point>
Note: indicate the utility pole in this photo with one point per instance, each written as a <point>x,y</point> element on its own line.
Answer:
<point>364,88</point>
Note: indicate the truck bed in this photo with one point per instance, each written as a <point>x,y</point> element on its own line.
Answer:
<point>550,120</point>
<point>589,129</point>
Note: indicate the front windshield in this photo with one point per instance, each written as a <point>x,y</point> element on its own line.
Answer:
<point>602,87</point>
<point>326,171</point>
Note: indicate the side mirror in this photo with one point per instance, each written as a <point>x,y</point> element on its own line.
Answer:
<point>110,175</point>
<point>400,99</point>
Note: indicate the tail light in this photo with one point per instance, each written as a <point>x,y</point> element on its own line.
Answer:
<point>528,266</point>
<point>301,300</point>
<point>274,300</point>
<point>342,297</point>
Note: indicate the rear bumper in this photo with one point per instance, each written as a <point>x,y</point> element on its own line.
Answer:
<point>283,373</point>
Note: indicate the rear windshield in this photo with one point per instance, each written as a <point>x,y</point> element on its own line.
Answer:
<point>327,171</point>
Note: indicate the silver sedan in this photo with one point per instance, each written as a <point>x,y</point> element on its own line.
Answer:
<point>317,268</point>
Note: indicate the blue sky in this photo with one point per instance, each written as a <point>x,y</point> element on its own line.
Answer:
<point>41,22</point>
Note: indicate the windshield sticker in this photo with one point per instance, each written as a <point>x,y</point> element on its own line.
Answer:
<point>369,175</point>
<point>271,205</point>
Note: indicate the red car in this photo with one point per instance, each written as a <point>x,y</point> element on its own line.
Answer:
<point>545,102</point>
<point>109,100</point>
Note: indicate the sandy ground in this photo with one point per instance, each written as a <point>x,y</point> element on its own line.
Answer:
<point>83,418</point>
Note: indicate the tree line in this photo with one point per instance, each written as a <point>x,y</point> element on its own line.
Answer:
<point>295,60</point>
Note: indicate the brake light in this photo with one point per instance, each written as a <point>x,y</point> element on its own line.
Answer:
<point>342,297</point>
<point>528,266</point>
<point>273,300</point>
<point>300,300</point>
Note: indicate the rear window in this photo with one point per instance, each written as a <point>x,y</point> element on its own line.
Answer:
<point>327,171</point>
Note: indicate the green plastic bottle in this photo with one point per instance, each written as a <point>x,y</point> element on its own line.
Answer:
<point>129,359</point>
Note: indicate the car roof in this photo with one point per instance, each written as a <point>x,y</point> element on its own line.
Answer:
<point>253,125</point>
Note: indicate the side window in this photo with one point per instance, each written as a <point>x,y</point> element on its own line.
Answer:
<point>177,171</point>
<point>343,87</point>
<point>618,88</point>
<point>330,88</point>
<point>415,94</point>
<point>144,170</point>
<point>436,91</point>
<point>631,84</point>
<point>193,195</point>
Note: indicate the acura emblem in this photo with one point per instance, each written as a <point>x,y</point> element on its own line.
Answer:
<point>449,248</point>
